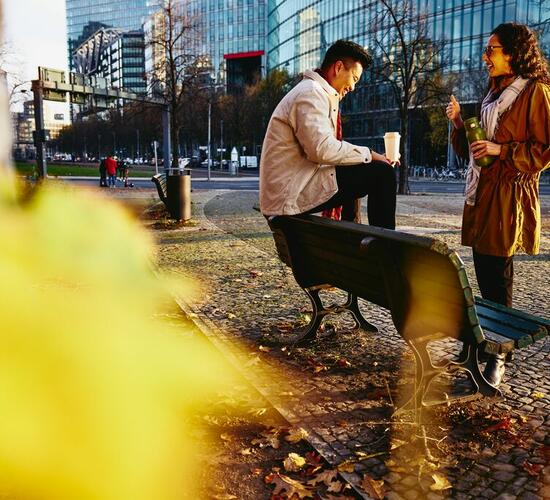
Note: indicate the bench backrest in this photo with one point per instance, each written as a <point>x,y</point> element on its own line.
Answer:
<point>421,281</point>
<point>160,182</point>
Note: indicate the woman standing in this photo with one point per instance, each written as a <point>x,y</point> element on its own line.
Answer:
<point>502,211</point>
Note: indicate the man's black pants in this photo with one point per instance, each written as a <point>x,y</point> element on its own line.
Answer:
<point>375,180</point>
<point>495,277</point>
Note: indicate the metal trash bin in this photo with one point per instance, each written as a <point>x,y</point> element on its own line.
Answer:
<point>178,194</point>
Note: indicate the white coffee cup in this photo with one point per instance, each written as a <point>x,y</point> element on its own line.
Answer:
<point>391,143</point>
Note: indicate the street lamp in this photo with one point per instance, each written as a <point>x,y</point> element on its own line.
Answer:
<point>209,133</point>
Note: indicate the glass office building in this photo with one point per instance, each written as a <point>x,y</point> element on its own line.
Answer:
<point>85,17</point>
<point>299,32</point>
<point>116,57</point>
<point>232,34</point>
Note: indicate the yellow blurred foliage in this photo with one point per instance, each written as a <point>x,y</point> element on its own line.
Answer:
<point>96,396</point>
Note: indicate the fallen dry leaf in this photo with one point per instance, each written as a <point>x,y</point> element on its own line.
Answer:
<point>313,458</point>
<point>254,361</point>
<point>504,424</point>
<point>440,482</point>
<point>392,465</point>
<point>343,363</point>
<point>326,477</point>
<point>538,395</point>
<point>257,412</point>
<point>294,462</point>
<point>224,496</point>
<point>373,487</point>
<point>284,484</point>
<point>269,438</point>
<point>335,487</point>
<point>296,435</point>
<point>363,456</point>
<point>532,469</point>
<point>346,466</point>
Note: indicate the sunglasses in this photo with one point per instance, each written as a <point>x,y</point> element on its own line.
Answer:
<point>489,49</point>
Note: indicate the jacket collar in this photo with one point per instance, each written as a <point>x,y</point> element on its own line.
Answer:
<point>313,75</point>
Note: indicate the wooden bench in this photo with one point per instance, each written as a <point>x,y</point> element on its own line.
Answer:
<point>160,182</point>
<point>418,279</point>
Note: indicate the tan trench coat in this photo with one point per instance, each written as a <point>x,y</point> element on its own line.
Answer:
<point>506,216</point>
<point>300,150</point>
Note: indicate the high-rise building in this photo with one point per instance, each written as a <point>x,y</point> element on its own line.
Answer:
<point>230,35</point>
<point>85,17</point>
<point>115,56</point>
<point>24,126</point>
<point>300,31</point>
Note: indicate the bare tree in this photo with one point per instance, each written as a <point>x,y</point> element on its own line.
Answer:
<point>409,62</point>
<point>172,38</point>
<point>10,64</point>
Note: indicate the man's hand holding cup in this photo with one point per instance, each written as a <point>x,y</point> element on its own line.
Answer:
<point>391,143</point>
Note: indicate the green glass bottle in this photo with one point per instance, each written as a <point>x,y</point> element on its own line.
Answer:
<point>474,133</point>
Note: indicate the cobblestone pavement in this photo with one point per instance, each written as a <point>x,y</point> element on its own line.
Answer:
<point>344,388</point>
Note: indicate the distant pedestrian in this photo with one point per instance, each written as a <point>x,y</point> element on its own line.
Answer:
<point>502,210</point>
<point>102,173</point>
<point>111,165</point>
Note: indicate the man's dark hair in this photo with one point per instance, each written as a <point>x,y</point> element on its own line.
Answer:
<point>346,51</point>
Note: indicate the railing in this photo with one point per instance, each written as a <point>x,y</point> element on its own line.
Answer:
<point>436,173</point>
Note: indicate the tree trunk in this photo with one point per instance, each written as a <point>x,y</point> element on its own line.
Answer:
<point>404,167</point>
<point>174,139</point>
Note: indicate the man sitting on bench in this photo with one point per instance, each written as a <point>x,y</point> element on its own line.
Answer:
<point>306,167</point>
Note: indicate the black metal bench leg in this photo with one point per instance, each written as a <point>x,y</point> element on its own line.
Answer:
<point>319,311</point>
<point>425,372</point>
<point>309,332</point>
<point>360,322</point>
<point>469,362</point>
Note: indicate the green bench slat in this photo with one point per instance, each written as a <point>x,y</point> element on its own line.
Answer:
<point>425,281</point>
<point>520,338</point>
<point>515,312</point>
<point>506,319</point>
<point>373,292</point>
<point>496,344</point>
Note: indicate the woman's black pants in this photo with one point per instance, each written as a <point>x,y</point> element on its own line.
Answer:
<point>495,277</point>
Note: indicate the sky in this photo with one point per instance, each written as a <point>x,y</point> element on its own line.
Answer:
<point>35,31</point>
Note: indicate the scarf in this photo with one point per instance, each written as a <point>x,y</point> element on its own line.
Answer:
<point>492,109</point>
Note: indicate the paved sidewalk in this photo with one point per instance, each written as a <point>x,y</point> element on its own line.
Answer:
<point>343,389</point>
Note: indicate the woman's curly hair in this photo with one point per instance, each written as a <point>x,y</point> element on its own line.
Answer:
<point>521,43</point>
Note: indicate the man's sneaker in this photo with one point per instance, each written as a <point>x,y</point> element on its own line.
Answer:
<point>494,369</point>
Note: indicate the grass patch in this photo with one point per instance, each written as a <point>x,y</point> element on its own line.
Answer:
<point>24,168</point>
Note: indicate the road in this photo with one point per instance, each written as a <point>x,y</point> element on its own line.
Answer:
<point>250,183</point>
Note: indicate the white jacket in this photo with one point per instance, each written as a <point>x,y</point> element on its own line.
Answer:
<point>300,149</point>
